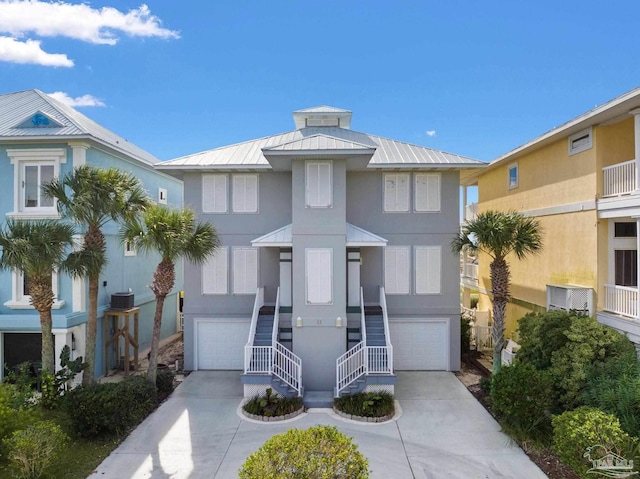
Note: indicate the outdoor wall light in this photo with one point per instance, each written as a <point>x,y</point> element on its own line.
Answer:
<point>73,342</point>
<point>299,322</point>
<point>338,322</point>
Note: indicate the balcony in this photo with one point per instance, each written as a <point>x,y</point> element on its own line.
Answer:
<point>470,271</point>
<point>619,179</point>
<point>621,300</point>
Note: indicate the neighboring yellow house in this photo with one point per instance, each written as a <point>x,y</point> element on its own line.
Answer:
<point>581,180</point>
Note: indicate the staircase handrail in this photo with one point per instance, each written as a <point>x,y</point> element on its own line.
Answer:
<point>350,366</point>
<point>276,319</point>
<point>287,367</point>
<point>363,329</point>
<point>248,349</point>
<point>385,320</point>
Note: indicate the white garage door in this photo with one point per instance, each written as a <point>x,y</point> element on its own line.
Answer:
<point>220,343</point>
<point>420,345</point>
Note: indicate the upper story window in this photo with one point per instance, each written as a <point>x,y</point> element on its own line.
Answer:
<point>428,269</point>
<point>245,194</point>
<point>427,192</point>
<point>21,296</point>
<point>625,229</point>
<point>580,141</point>
<point>397,270</point>
<point>396,192</point>
<point>214,193</point>
<point>215,273</point>
<point>32,169</point>
<point>319,192</point>
<point>512,176</point>
<point>245,270</point>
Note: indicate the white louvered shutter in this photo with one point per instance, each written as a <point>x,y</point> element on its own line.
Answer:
<point>319,194</point>
<point>396,192</point>
<point>428,269</point>
<point>214,193</point>
<point>245,270</point>
<point>245,193</point>
<point>396,270</point>
<point>319,278</point>
<point>427,192</point>
<point>214,273</point>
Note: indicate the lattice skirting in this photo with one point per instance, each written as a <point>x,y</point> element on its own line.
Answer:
<point>379,388</point>
<point>251,390</point>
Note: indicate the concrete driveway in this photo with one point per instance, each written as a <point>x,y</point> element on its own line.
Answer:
<point>443,432</point>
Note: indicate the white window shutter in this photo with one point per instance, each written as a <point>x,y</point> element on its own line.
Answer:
<point>427,192</point>
<point>396,192</point>
<point>318,184</point>
<point>214,273</point>
<point>313,180</point>
<point>251,193</point>
<point>319,278</point>
<point>428,269</point>
<point>396,270</point>
<point>238,200</point>
<point>214,193</point>
<point>245,270</point>
<point>324,187</point>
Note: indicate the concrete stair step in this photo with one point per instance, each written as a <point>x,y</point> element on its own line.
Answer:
<point>318,399</point>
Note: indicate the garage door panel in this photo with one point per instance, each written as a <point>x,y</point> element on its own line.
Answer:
<point>420,345</point>
<point>220,344</point>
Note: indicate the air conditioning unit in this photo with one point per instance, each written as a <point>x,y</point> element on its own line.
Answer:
<point>570,297</point>
<point>122,301</point>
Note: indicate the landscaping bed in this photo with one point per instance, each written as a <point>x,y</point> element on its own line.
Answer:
<point>366,407</point>
<point>271,407</point>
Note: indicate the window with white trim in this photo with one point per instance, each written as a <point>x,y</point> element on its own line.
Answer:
<point>215,273</point>
<point>162,196</point>
<point>512,176</point>
<point>214,193</point>
<point>428,269</point>
<point>319,192</point>
<point>130,248</point>
<point>245,270</point>
<point>21,299</point>
<point>427,192</point>
<point>396,192</point>
<point>580,141</point>
<point>245,194</point>
<point>396,270</point>
<point>319,277</point>
<point>33,168</point>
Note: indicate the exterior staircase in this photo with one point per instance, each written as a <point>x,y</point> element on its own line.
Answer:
<point>264,327</point>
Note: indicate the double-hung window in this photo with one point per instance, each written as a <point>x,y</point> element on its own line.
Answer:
<point>21,296</point>
<point>33,168</point>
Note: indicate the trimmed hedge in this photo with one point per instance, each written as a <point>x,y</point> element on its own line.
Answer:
<point>373,404</point>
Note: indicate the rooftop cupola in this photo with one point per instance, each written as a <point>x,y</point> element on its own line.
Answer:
<point>322,116</point>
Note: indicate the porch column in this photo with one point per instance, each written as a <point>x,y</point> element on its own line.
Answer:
<point>636,135</point>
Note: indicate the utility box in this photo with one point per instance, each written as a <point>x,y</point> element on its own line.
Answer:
<point>122,301</point>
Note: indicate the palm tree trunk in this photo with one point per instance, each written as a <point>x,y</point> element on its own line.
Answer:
<point>500,285</point>
<point>42,300</point>
<point>48,362</point>
<point>163,281</point>
<point>92,326</point>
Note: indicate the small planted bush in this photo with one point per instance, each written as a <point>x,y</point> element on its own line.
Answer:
<point>317,452</point>
<point>15,412</point>
<point>372,404</point>
<point>164,380</point>
<point>272,405</point>
<point>522,397</point>
<point>106,408</point>
<point>575,431</point>
<point>33,449</point>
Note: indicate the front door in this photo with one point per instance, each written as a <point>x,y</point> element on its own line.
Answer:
<point>353,278</point>
<point>285,278</point>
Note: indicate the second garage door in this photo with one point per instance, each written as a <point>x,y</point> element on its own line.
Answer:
<point>220,343</point>
<point>420,345</point>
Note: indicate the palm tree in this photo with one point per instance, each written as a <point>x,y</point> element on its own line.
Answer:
<point>37,249</point>
<point>497,234</point>
<point>92,197</point>
<point>174,234</point>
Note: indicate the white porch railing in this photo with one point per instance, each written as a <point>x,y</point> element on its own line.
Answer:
<point>256,358</point>
<point>621,300</point>
<point>362,359</point>
<point>482,337</point>
<point>619,179</point>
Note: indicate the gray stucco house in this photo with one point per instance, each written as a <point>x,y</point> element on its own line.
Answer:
<point>335,268</point>
<point>42,138</point>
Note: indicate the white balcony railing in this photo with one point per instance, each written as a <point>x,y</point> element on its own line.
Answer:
<point>470,270</point>
<point>619,179</point>
<point>621,300</point>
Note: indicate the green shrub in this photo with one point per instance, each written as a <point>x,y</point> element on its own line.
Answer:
<point>32,450</point>
<point>272,405</point>
<point>522,396</point>
<point>485,384</point>
<point>164,380</point>
<point>317,452</point>
<point>372,404</point>
<point>49,390</point>
<point>106,408</point>
<point>567,344</point>
<point>614,387</point>
<point>14,413</point>
<point>465,333</point>
<point>575,431</point>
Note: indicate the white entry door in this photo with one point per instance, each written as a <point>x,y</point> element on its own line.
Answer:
<point>420,344</point>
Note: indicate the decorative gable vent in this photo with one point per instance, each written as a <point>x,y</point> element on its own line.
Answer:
<point>39,120</point>
<point>568,298</point>
<point>323,121</point>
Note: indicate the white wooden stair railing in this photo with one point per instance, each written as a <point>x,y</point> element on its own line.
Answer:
<point>257,359</point>
<point>287,367</point>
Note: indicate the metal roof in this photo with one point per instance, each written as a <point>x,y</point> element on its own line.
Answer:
<point>388,153</point>
<point>16,108</point>
<point>283,238</point>
<point>322,109</point>
<point>319,142</point>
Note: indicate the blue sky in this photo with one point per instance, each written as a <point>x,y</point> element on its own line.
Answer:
<point>473,78</point>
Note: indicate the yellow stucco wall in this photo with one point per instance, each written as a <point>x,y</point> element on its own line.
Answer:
<point>574,243</point>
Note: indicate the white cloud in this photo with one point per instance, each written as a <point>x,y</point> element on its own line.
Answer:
<point>431,132</point>
<point>84,100</point>
<point>29,51</point>
<point>78,21</point>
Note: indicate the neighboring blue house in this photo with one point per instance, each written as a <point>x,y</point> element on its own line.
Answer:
<point>41,138</point>
<point>335,268</point>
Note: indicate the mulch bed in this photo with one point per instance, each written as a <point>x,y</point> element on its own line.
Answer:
<point>547,461</point>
